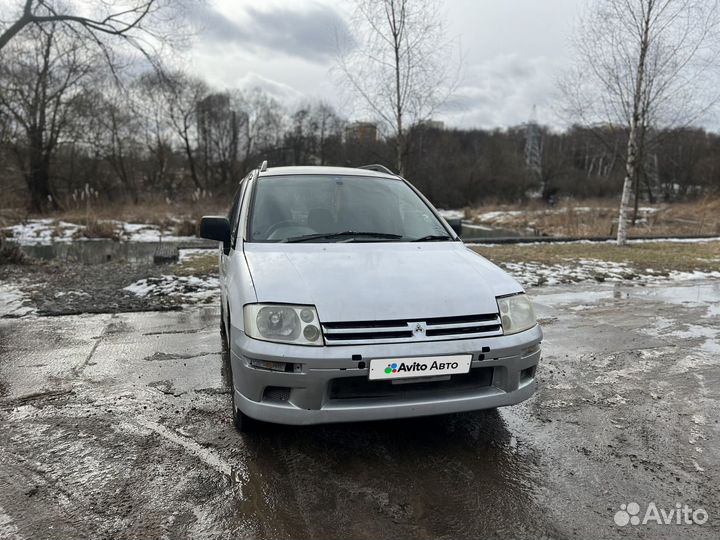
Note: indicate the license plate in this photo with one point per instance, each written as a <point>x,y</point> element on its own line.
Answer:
<point>423,366</point>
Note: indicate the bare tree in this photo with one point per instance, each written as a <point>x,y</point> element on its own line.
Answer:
<point>646,64</point>
<point>151,107</point>
<point>263,122</point>
<point>399,63</point>
<point>183,95</point>
<point>327,124</point>
<point>219,124</point>
<point>143,24</point>
<point>40,82</point>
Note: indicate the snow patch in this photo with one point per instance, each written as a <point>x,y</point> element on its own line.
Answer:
<point>47,231</point>
<point>144,232</point>
<point>42,232</point>
<point>190,289</point>
<point>501,217</point>
<point>531,274</point>
<point>506,217</point>
<point>452,214</point>
<point>14,302</point>
<point>189,254</point>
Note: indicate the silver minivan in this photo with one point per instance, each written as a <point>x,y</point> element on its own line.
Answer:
<point>347,297</point>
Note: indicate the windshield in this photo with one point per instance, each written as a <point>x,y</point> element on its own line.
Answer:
<point>326,208</point>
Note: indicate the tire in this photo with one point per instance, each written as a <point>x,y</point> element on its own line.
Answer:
<point>243,423</point>
<point>223,328</point>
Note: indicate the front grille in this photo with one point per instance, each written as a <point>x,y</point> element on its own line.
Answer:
<point>397,331</point>
<point>363,388</point>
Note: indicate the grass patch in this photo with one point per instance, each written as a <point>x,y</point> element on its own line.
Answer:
<point>598,217</point>
<point>201,264</point>
<point>657,256</point>
<point>161,213</point>
<point>10,253</point>
<point>100,229</point>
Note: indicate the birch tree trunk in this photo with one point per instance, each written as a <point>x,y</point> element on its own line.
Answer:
<point>646,65</point>
<point>636,121</point>
<point>630,166</point>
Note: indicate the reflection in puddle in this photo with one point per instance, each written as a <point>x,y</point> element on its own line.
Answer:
<point>462,475</point>
<point>465,475</point>
<point>700,293</point>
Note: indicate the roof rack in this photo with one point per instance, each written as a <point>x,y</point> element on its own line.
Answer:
<point>263,166</point>
<point>378,168</point>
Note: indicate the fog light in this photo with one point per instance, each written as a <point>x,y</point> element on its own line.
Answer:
<point>311,332</point>
<point>266,364</point>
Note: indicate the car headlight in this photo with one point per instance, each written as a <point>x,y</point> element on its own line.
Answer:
<point>516,313</point>
<point>283,323</point>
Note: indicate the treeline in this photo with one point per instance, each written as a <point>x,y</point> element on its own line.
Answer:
<point>70,126</point>
<point>456,168</point>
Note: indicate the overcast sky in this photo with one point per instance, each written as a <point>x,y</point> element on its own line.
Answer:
<point>513,51</point>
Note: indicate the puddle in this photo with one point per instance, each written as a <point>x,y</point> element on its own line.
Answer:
<point>106,250</point>
<point>700,294</point>
<point>574,295</point>
<point>703,293</point>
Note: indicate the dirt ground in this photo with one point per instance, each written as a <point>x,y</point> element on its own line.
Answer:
<point>118,425</point>
<point>59,287</point>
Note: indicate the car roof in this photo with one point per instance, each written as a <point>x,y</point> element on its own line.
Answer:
<point>347,171</point>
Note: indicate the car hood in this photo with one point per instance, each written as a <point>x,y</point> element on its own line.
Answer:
<point>378,281</point>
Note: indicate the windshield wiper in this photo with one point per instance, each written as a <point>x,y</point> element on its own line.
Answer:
<point>352,234</point>
<point>434,238</point>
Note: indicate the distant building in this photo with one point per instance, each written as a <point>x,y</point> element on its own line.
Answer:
<point>361,132</point>
<point>212,112</point>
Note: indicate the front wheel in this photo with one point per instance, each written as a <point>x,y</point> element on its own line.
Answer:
<point>223,327</point>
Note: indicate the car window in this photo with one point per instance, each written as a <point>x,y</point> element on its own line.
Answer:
<point>286,207</point>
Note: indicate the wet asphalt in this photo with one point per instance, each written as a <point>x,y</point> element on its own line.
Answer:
<point>119,426</point>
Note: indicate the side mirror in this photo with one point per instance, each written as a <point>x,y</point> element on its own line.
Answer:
<point>216,228</point>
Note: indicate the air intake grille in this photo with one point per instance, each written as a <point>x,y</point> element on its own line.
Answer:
<point>397,331</point>
<point>276,393</point>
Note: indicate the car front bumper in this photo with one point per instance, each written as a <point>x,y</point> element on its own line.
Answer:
<point>330,384</point>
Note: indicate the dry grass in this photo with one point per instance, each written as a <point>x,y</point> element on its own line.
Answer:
<point>658,256</point>
<point>204,264</point>
<point>158,213</point>
<point>100,229</point>
<point>599,218</point>
<point>10,253</point>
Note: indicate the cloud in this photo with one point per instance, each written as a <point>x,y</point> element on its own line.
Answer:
<point>310,31</point>
<point>286,48</point>
<point>284,93</point>
<point>501,92</point>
